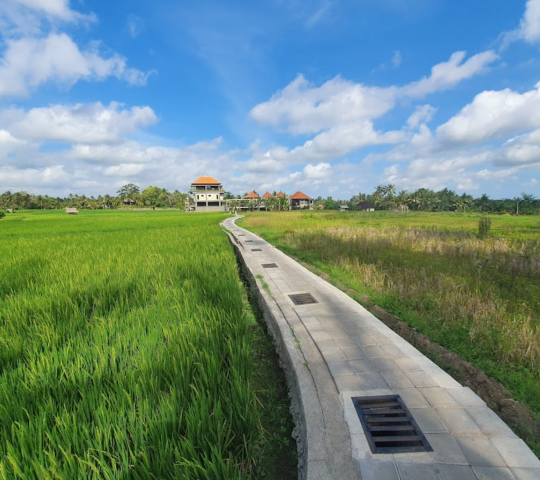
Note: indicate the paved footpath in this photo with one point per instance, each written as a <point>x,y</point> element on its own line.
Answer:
<point>350,353</point>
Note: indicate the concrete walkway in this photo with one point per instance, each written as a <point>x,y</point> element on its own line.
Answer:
<point>335,350</point>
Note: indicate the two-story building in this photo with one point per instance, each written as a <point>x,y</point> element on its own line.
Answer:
<point>300,201</point>
<point>208,195</point>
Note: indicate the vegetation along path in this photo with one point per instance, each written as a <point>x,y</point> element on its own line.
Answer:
<point>367,359</point>
<point>129,350</point>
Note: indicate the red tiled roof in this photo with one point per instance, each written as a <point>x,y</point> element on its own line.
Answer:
<point>280,195</point>
<point>299,196</point>
<point>252,195</point>
<point>206,181</point>
<point>267,195</point>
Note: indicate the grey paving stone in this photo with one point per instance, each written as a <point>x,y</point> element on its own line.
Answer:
<point>384,364</point>
<point>363,340</point>
<point>407,364</point>
<point>327,345</point>
<point>480,452</point>
<point>489,422</point>
<point>371,330</point>
<point>345,343</point>
<point>319,336</point>
<point>397,379</point>
<point>455,472</point>
<point>442,378</point>
<point>416,471</point>
<point>428,420</point>
<point>372,381</point>
<point>348,383</point>
<point>374,351</point>
<point>315,327</point>
<point>493,473</point>
<point>415,457</point>
<point>354,353</point>
<point>334,356</point>
<point>526,473</point>
<point>438,397</point>
<point>337,333</point>
<point>309,320</point>
<point>421,379</point>
<point>445,449</point>
<point>340,368</point>
<point>457,421</point>
<point>412,397</point>
<point>381,339</point>
<point>363,366</point>
<point>515,452</point>
<point>466,397</point>
<point>378,470</point>
<point>392,350</point>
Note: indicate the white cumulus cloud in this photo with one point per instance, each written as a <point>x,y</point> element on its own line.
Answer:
<point>80,123</point>
<point>492,115</point>
<point>30,62</point>
<point>448,74</point>
<point>303,108</point>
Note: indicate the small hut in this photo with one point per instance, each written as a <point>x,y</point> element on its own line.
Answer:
<point>72,211</point>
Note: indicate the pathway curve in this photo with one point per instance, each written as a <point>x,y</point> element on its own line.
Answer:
<point>334,350</point>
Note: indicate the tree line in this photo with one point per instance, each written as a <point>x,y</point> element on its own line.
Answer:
<point>386,197</point>
<point>129,195</point>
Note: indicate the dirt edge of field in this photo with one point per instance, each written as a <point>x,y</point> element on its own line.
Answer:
<point>516,415</point>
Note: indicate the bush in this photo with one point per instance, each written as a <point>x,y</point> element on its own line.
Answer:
<point>484,227</point>
<point>2,214</point>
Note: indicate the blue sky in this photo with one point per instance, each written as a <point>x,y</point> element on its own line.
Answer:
<point>327,97</point>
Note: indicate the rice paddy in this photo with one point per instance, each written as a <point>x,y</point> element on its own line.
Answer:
<point>476,293</point>
<point>126,350</point>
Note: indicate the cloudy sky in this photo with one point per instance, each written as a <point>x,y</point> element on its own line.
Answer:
<point>331,97</point>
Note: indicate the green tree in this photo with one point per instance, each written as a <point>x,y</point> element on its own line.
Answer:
<point>153,196</point>
<point>128,191</point>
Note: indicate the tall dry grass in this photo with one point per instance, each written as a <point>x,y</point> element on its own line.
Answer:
<point>443,276</point>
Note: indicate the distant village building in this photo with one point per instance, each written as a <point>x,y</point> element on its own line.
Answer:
<point>344,208</point>
<point>129,202</point>
<point>299,201</point>
<point>267,195</point>
<point>208,195</point>
<point>251,196</point>
<point>366,206</point>
<point>72,211</point>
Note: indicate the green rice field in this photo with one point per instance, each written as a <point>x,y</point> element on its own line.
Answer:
<point>126,350</point>
<point>477,295</point>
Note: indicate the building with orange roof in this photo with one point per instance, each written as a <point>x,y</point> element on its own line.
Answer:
<point>280,195</point>
<point>300,201</point>
<point>252,196</point>
<point>208,195</point>
<point>267,195</point>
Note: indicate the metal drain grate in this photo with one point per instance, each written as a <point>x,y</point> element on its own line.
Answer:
<point>389,426</point>
<point>249,241</point>
<point>303,298</point>
<point>241,234</point>
<point>269,265</point>
<point>256,249</point>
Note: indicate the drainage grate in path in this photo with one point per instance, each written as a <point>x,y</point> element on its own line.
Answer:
<point>241,234</point>
<point>248,241</point>
<point>256,249</point>
<point>269,265</point>
<point>389,426</point>
<point>303,298</point>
